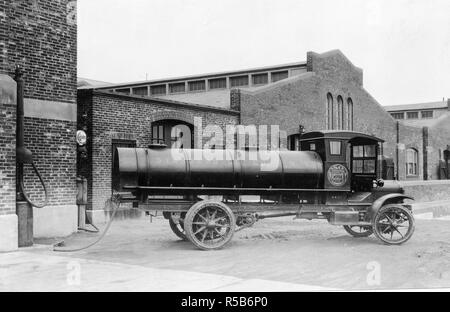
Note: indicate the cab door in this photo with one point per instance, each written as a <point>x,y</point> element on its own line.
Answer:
<point>336,166</point>
<point>363,166</point>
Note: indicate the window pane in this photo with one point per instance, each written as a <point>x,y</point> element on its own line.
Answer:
<point>197,85</point>
<point>239,81</point>
<point>329,111</point>
<point>350,114</point>
<point>412,115</point>
<point>340,113</point>
<point>358,166</point>
<point>335,147</point>
<point>140,91</point>
<point>127,90</point>
<point>276,76</point>
<point>260,79</point>
<point>427,114</point>
<point>369,166</point>
<point>408,156</point>
<point>154,132</point>
<point>369,151</point>
<point>161,132</point>
<point>157,90</point>
<point>411,161</point>
<point>398,115</point>
<point>219,83</point>
<point>177,87</point>
<point>358,151</point>
<point>312,147</point>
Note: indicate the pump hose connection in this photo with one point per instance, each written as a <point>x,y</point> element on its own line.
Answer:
<point>22,189</point>
<point>114,203</point>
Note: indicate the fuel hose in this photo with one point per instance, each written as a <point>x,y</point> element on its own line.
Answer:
<point>22,188</point>
<point>115,204</point>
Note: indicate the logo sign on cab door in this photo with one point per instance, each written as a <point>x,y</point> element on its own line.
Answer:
<point>337,175</point>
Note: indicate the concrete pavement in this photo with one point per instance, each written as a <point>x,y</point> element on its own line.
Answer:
<point>275,255</point>
<point>33,270</point>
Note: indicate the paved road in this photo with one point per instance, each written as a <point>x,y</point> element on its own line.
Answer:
<point>290,254</point>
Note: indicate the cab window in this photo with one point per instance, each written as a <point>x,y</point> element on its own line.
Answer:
<point>335,147</point>
<point>364,159</point>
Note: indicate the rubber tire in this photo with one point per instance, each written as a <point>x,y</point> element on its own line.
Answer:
<point>410,229</point>
<point>192,212</point>
<point>348,229</point>
<point>176,230</point>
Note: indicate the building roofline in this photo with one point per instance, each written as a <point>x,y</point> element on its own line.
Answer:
<point>201,76</point>
<point>416,106</point>
<point>166,102</point>
<point>334,134</point>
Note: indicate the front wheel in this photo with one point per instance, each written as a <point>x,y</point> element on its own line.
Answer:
<point>393,224</point>
<point>209,224</point>
<point>359,230</point>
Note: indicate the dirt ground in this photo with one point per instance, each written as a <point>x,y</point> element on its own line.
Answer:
<point>284,250</point>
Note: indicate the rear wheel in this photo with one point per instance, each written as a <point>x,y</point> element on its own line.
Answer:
<point>358,230</point>
<point>393,224</point>
<point>209,224</point>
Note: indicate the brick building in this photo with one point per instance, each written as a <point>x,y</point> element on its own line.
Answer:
<point>434,119</point>
<point>41,37</point>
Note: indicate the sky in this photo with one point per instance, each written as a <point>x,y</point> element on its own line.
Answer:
<point>403,46</point>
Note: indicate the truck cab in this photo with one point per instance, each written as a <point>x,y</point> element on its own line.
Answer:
<point>349,158</point>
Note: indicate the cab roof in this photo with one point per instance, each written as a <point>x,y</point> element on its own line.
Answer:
<point>340,134</point>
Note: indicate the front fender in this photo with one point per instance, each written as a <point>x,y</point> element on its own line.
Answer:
<point>386,199</point>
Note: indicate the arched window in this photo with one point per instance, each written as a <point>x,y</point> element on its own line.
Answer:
<point>330,115</point>
<point>340,113</point>
<point>412,157</point>
<point>349,114</point>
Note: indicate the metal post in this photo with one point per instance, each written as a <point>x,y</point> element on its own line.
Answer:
<point>19,130</point>
<point>24,210</point>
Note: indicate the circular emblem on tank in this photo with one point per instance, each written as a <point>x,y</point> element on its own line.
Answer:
<point>337,175</point>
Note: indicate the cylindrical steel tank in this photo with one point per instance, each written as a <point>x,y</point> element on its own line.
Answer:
<point>164,167</point>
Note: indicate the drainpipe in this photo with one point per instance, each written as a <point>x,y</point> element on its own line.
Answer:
<point>425,152</point>
<point>397,150</point>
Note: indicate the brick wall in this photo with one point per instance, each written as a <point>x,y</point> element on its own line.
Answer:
<point>7,145</point>
<point>53,146</point>
<point>124,117</point>
<point>40,35</point>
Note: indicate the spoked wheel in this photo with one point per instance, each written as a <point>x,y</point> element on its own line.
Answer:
<point>393,224</point>
<point>209,224</point>
<point>177,225</point>
<point>358,230</point>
